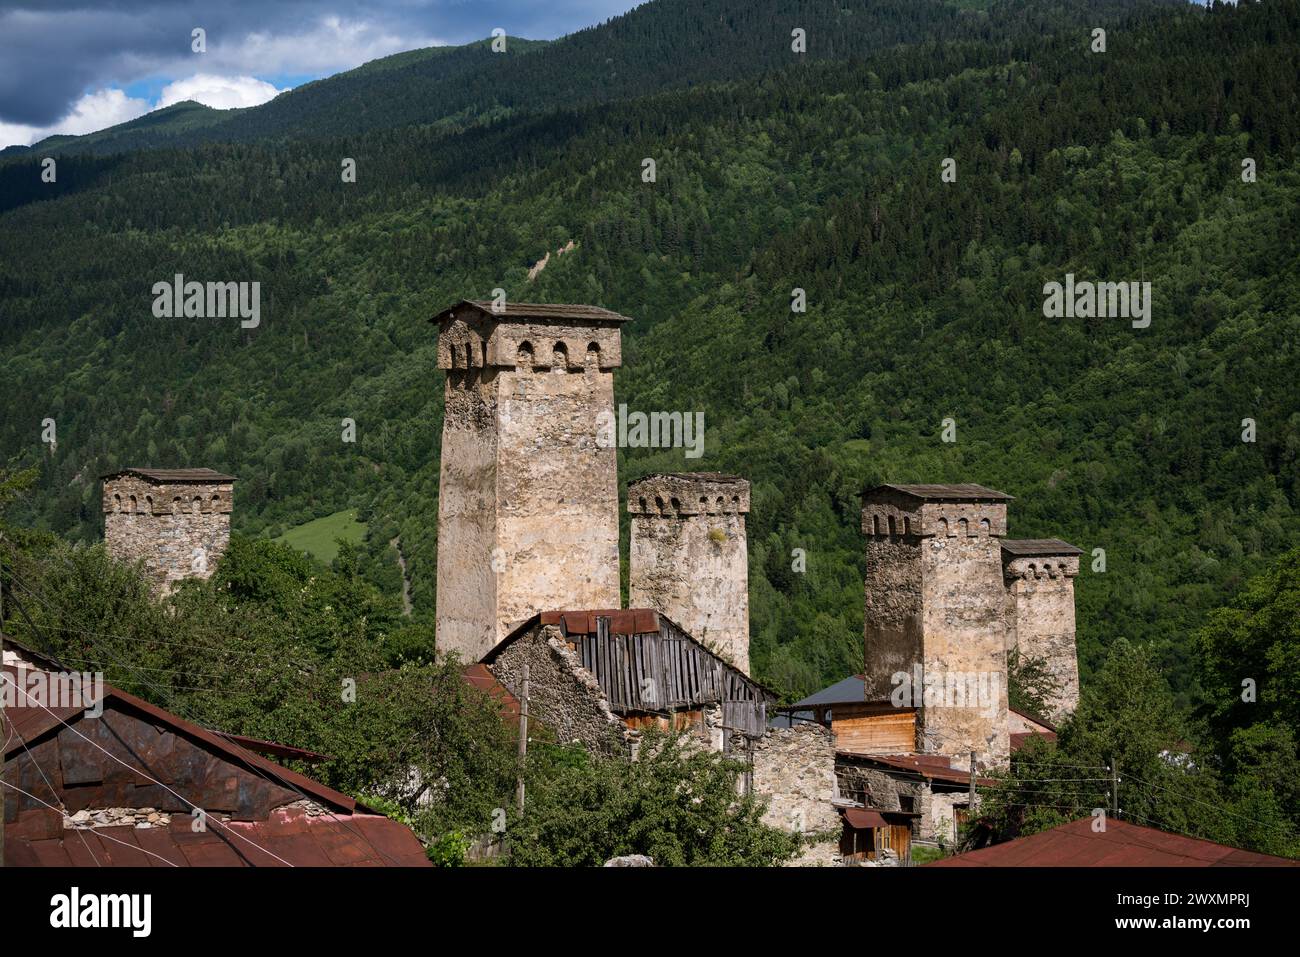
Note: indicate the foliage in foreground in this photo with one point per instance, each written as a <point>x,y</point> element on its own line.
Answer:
<point>676,803</point>
<point>1228,774</point>
<point>277,647</point>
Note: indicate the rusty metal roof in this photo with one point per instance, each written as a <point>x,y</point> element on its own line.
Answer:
<point>622,621</point>
<point>861,818</point>
<point>932,767</point>
<point>535,310</point>
<point>274,749</point>
<point>945,493</point>
<point>480,676</point>
<point>348,833</point>
<point>173,475</point>
<point>1121,845</point>
<point>32,722</point>
<point>1036,719</point>
<point>38,839</point>
<point>1028,547</point>
<point>1020,738</point>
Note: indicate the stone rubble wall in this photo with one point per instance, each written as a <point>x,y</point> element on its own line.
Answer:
<point>1041,608</point>
<point>695,570</point>
<point>562,695</point>
<point>528,498</point>
<point>794,768</point>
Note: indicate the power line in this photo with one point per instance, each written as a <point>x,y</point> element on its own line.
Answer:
<point>63,807</point>
<point>1287,828</point>
<point>143,775</point>
<point>101,835</point>
<point>255,767</point>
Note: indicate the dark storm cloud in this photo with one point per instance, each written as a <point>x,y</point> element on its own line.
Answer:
<point>53,52</point>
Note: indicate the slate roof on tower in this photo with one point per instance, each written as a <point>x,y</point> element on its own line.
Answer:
<point>946,493</point>
<point>535,310</point>
<point>173,475</point>
<point>1029,547</point>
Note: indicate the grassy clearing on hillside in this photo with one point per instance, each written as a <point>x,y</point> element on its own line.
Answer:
<point>317,537</point>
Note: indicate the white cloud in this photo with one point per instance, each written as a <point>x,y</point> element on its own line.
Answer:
<point>329,45</point>
<point>92,112</point>
<point>105,108</point>
<point>218,92</point>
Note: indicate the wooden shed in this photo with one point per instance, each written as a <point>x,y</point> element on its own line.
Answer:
<point>870,835</point>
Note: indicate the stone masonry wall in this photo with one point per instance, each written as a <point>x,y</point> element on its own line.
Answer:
<point>689,557</point>
<point>178,530</point>
<point>528,500</point>
<point>935,598</point>
<point>562,695</point>
<point>794,768</point>
<point>1041,608</point>
<point>965,631</point>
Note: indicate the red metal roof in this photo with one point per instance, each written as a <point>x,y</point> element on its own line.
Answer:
<point>933,767</point>
<point>274,749</point>
<point>40,720</point>
<point>1121,845</point>
<point>861,818</point>
<point>481,677</point>
<point>349,833</point>
<point>290,833</point>
<point>1020,738</point>
<point>622,621</point>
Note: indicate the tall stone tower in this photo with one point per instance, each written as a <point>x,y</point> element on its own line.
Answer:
<point>528,495</point>
<point>935,598</point>
<point>177,521</point>
<point>690,558</point>
<point>1040,577</point>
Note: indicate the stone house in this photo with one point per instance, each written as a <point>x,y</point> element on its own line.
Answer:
<point>599,677</point>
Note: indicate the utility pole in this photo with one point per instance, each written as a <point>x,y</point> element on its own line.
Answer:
<point>523,741</point>
<point>970,801</point>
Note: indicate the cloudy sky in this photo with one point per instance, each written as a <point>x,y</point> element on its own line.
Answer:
<point>75,66</point>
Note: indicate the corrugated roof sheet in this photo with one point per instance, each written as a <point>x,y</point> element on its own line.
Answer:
<point>173,475</point>
<point>622,621</point>
<point>946,493</point>
<point>1025,547</point>
<point>536,310</point>
<point>1121,845</point>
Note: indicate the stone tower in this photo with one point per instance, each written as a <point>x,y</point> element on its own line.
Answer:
<point>528,496</point>
<point>177,521</point>
<point>690,558</point>
<point>935,599</point>
<point>1040,577</point>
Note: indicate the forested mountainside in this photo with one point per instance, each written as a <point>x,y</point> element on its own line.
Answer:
<point>774,171</point>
